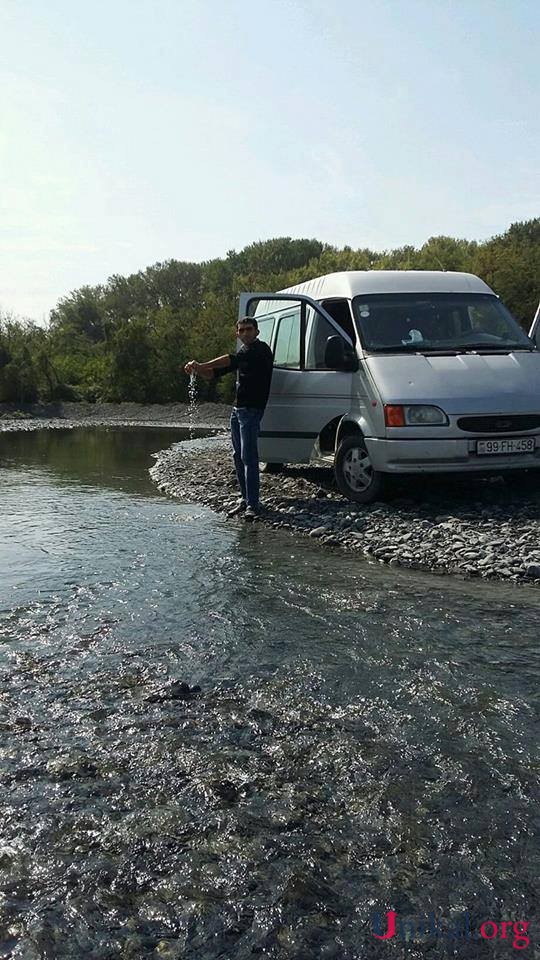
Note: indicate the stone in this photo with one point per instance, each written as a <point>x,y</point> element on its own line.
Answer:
<point>225,790</point>
<point>177,690</point>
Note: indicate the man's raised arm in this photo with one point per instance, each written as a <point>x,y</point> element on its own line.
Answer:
<point>206,369</point>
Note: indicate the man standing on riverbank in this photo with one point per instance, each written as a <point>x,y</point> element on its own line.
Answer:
<point>253,364</point>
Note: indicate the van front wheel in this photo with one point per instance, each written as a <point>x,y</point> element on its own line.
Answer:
<point>270,467</point>
<point>355,476</point>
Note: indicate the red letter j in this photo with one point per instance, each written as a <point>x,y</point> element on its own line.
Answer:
<point>391,922</point>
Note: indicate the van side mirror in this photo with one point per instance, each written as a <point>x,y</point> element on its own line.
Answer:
<point>339,356</point>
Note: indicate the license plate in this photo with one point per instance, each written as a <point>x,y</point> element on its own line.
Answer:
<point>510,445</point>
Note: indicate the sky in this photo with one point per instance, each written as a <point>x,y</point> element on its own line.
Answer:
<point>133,132</point>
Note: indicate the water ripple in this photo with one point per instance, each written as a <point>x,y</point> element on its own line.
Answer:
<point>215,743</point>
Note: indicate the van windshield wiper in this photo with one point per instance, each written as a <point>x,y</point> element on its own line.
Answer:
<point>492,347</point>
<point>452,351</point>
<point>398,348</point>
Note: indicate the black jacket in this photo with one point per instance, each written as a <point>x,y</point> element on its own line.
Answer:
<point>253,365</point>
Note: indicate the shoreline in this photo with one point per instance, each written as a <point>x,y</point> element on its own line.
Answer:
<point>464,527</point>
<point>67,416</point>
<point>480,528</point>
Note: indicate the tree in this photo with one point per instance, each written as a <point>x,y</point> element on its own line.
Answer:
<point>129,374</point>
<point>127,339</point>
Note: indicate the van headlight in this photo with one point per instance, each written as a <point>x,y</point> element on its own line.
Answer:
<point>413,415</point>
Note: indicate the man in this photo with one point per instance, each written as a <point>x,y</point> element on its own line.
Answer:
<point>253,364</point>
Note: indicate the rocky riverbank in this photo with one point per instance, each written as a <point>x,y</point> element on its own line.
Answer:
<point>63,416</point>
<point>467,527</point>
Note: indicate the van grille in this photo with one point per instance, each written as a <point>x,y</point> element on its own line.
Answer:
<point>500,424</point>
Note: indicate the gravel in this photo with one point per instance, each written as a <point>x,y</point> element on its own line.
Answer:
<point>64,416</point>
<point>469,527</point>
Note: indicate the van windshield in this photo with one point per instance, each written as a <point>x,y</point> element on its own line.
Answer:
<point>435,323</point>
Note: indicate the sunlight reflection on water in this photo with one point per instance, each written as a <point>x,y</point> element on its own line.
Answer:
<point>361,735</point>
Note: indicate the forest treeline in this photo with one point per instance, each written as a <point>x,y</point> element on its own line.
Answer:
<point>129,338</point>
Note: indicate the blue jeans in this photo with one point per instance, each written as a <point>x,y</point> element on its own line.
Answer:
<point>245,422</point>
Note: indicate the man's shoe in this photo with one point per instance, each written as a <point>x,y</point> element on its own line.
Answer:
<point>238,509</point>
<point>251,513</point>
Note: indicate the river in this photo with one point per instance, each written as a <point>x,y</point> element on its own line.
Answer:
<point>218,740</point>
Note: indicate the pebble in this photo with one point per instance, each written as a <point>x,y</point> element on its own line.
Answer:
<point>225,790</point>
<point>176,690</point>
<point>494,534</point>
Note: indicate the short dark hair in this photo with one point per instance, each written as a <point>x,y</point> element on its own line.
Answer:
<point>248,320</point>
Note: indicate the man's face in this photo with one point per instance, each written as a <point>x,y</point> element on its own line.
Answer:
<point>246,332</point>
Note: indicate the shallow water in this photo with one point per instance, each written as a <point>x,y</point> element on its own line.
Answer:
<point>363,738</point>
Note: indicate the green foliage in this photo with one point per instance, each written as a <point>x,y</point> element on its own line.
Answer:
<point>510,264</point>
<point>131,362</point>
<point>80,315</point>
<point>27,371</point>
<point>129,339</point>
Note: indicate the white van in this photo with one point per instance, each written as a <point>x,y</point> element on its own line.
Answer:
<point>391,372</point>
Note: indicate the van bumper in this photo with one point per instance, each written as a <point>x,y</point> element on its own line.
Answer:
<point>443,456</point>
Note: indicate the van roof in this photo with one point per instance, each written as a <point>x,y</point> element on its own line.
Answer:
<point>351,283</point>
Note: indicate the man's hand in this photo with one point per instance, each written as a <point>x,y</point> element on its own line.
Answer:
<point>204,370</point>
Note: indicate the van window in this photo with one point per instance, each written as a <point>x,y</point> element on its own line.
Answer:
<point>266,329</point>
<point>340,311</point>
<point>318,332</point>
<point>287,352</point>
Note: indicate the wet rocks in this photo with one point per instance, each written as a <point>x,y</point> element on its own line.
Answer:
<point>483,529</point>
<point>191,846</point>
<point>71,767</point>
<point>175,690</point>
<point>225,790</point>
<point>306,892</point>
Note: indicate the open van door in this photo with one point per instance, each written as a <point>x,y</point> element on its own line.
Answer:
<point>311,385</point>
<point>534,332</point>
